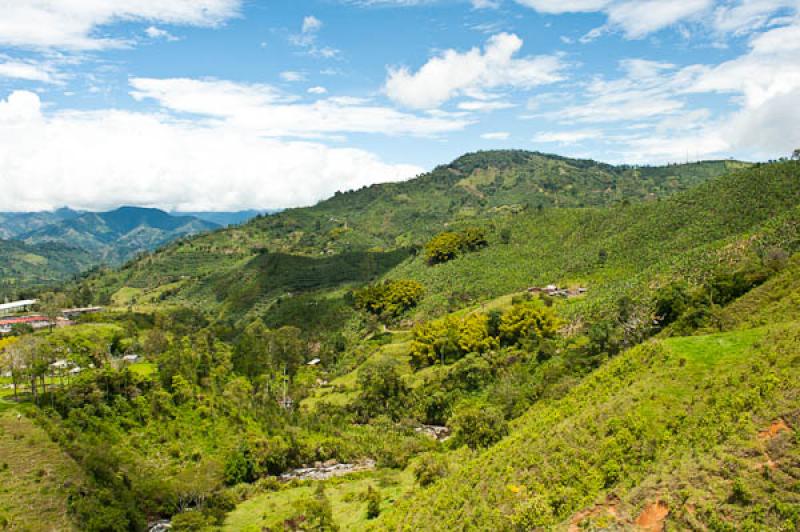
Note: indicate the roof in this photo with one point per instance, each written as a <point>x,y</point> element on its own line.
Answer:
<point>81,310</point>
<point>18,304</point>
<point>22,319</point>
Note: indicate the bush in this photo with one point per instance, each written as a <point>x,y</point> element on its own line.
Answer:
<point>389,299</point>
<point>430,468</point>
<point>189,521</point>
<point>478,424</point>
<point>448,245</point>
<point>373,503</point>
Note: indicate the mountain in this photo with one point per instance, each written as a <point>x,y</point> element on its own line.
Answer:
<point>225,219</point>
<point>13,224</point>
<point>116,236</point>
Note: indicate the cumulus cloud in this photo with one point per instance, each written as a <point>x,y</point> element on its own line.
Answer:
<point>72,25</point>
<point>269,112</point>
<point>100,159</point>
<point>453,73</point>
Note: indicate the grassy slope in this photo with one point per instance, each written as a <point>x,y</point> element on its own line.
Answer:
<point>32,492</point>
<point>676,421</point>
<point>346,495</point>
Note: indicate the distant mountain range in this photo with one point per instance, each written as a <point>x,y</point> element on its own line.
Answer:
<point>38,248</point>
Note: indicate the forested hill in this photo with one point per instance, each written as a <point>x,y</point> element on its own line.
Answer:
<point>25,268</point>
<point>115,236</point>
<point>386,217</point>
<point>490,182</point>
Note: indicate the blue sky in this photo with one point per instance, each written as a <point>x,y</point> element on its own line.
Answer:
<point>227,104</point>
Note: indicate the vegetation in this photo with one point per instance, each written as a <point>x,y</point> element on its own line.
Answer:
<point>312,370</point>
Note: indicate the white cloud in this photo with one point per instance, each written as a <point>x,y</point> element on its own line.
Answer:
<point>453,73</point>
<point>311,24</point>
<point>484,106</point>
<point>496,135</point>
<point>292,76</point>
<point>307,39</point>
<point>485,4</point>
<point>642,17</point>
<point>636,18</point>
<point>157,33</point>
<point>268,111</point>
<point>565,6</point>
<point>100,159</point>
<point>71,24</point>
<point>568,137</point>
<point>28,71</point>
<point>317,90</point>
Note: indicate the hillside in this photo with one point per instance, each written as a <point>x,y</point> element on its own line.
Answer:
<point>656,433</point>
<point>482,188</point>
<point>118,235</point>
<point>25,268</point>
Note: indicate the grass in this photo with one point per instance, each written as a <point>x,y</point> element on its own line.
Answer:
<point>144,369</point>
<point>345,494</point>
<point>33,473</point>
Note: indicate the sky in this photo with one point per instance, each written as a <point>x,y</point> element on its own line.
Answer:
<point>232,104</point>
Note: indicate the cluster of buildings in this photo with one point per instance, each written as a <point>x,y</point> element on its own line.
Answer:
<point>556,291</point>
<point>14,314</point>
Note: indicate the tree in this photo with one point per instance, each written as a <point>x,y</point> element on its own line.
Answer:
<point>382,389</point>
<point>796,155</point>
<point>52,305</point>
<point>528,322</point>
<point>443,247</point>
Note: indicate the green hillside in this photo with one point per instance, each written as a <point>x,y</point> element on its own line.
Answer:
<point>25,268</point>
<point>523,186</point>
<point>683,423</point>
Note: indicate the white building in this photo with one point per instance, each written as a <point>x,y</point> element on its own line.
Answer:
<point>16,306</point>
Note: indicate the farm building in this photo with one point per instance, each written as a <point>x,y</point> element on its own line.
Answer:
<point>37,322</point>
<point>24,305</point>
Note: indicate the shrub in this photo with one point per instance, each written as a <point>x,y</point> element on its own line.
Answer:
<point>373,503</point>
<point>478,424</point>
<point>189,521</point>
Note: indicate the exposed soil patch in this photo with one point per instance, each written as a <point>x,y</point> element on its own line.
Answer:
<point>653,516</point>
<point>607,509</point>
<point>773,430</point>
